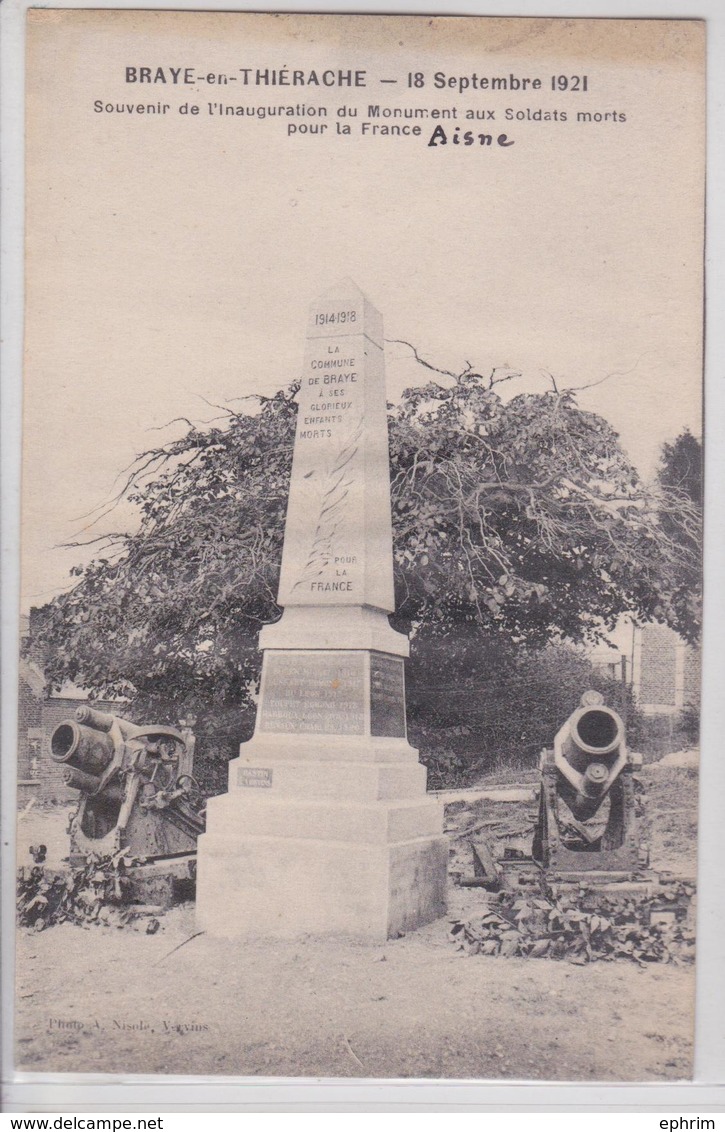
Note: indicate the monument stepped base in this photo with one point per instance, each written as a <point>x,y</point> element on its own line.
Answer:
<point>305,845</point>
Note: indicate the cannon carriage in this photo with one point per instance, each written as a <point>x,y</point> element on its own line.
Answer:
<point>586,829</point>
<point>137,793</point>
<point>587,820</point>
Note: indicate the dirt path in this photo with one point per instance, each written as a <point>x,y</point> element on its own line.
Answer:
<point>409,1008</point>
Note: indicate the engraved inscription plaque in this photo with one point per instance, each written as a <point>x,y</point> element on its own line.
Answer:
<point>387,696</point>
<point>255,776</point>
<point>313,692</point>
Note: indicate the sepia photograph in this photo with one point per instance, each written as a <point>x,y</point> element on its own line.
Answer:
<point>361,585</point>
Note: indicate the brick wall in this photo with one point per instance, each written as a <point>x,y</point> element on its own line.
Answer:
<point>691,677</point>
<point>658,673</point>
<point>29,712</point>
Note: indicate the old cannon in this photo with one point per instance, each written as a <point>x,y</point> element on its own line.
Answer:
<point>137,792</point>
<point>587,821</point>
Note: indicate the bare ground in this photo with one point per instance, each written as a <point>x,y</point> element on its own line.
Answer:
<point>108,1000</point>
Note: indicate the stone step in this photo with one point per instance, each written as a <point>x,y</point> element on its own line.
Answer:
<point>267,750</point>
<point>352,782</point>
<point>285,887</point>
<point>255,813</point>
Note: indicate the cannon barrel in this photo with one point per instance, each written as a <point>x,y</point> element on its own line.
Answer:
<point>82,747</point>
<point>78,779</point>
<point>100,720</point>
<point>595,740</point>
<point>592,737</point>
<point>597,730</point>
<point>587,819</point>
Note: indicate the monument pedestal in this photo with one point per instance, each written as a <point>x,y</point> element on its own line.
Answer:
<point>322,836</point>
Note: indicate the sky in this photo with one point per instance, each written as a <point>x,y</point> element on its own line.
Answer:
<point>171,258</point>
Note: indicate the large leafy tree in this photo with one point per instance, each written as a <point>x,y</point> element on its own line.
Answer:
<point>680,479</point>
<point>518,518</point>
<point>526,516</point>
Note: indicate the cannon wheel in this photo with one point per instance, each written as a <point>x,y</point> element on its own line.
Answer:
<point>613,836</point>
<point>541,829</point>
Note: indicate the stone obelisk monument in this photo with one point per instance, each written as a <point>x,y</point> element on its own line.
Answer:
<point>326,826</point>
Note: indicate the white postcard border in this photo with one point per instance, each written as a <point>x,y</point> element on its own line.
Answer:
<point>69,1092</point>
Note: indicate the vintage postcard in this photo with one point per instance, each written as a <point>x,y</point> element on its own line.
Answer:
<point>361,546</point>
